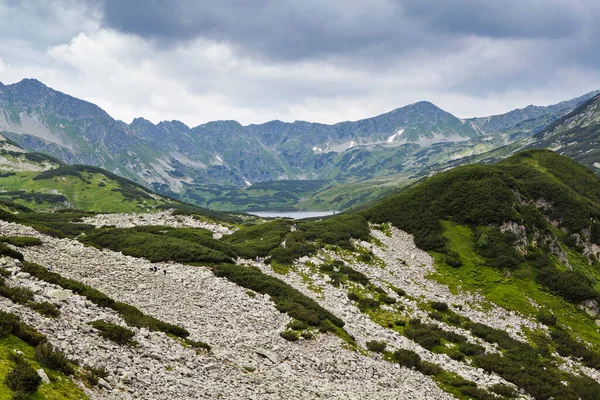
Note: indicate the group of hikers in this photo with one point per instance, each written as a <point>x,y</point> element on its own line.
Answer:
<point>155,269</point>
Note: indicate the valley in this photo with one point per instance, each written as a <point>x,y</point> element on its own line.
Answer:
<point>445,289</point>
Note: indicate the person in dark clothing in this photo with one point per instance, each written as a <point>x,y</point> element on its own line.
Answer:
<point>164,271</point>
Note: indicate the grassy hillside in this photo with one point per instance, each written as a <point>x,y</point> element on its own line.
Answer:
<point>527,225</point>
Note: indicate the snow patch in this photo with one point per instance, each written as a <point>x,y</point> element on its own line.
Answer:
<point>395,135</point>
<point>351,144</point>
<point>248,183</point>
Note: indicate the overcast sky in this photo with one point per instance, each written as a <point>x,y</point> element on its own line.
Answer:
<point>325,61</point>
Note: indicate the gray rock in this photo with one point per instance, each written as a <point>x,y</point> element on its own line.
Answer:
<point>44,376</point>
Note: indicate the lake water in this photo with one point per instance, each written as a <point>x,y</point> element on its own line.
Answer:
<point>292,214</point>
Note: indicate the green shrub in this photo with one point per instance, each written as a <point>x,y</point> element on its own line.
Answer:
<point>571,285</point>
<point>28,334</point>
<point>407,358</point>
<point>114,332</point>
<point>21,241</point>
<point>354,275</point>
<point>429,368</point>
<point>470,349</point>
<point>436,315</point>
<point>286,298</point>
<point>456,355</point>
<point>547,318</point>
<point>46,309</point>
<point>399,292</point>
<point>296,325</point>
<point>289,336</point>
<point>384,298</point>
<point>376,346</point>
<point>307,335</point>
<point>10,323</point>
<point>17,294</point>
<point>197,344</point>
<point>143,243</point>
<point>439,306</point>
<point>353,296</point>
<point>55,359</point>
<point>23,378</point>
<point>92,375</point>
<point>366,304</point>
<point>400,322</point>
<point>566,346</point>
<point>8,252</point>
<point>477,393</point>
<point>503,390</point>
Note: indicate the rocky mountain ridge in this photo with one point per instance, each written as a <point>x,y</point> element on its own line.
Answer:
<point>210,163</point>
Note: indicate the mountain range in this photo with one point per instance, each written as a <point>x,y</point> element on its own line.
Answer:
<point>218,164</point>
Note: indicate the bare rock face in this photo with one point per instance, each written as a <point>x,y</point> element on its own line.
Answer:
<point>592,307</point>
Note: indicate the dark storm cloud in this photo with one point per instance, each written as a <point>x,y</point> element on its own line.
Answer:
<point>291,30</point>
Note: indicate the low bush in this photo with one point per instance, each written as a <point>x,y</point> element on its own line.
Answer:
<point>407,358</point>
<point>429,368</point>
<point>547,318</point>
<point>366,304</point>
<point>92,375</point>
<point>570,285</point>
<point>296,325</point>
<point>16,294</point>
<point>114,332</point>
<point>477,393</point>
<point>51,358</point>
<point>353,296</point>
<point>566,346</point>
<point>503,390</point>
<point>21,241</point>
<point>384,298</point>
<point>11,324</point>
<point>470,349</point>
<point>439,306</point>
<point>8,252</point>
<point>154,247</point>
<point>23,378</point>
<point>45,308</point>
<point>376,346</point>
<point>289,336</point>
<point>436,315</point>
<point>286,298</point>
<point>197,344</point>
<point>354,275</point>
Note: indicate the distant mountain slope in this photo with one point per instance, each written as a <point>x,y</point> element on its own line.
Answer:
<point>212,163</point>
<point>528,117</point>
<point>42,182</point>
<point>576,135</point>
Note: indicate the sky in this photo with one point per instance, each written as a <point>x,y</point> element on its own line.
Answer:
<point>322,61</point>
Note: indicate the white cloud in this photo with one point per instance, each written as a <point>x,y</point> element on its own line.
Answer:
<point>201,79</point>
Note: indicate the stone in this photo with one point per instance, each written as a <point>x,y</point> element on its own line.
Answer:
<point>57,294</point>
<point>43,375</point>
<point>270,355</point>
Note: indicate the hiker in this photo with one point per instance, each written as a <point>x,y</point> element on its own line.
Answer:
<point>155,268</point>
<point>164,271</point>
<point>49,268</point>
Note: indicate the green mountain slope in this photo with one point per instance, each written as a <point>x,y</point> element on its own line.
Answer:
<point>42,182</point>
